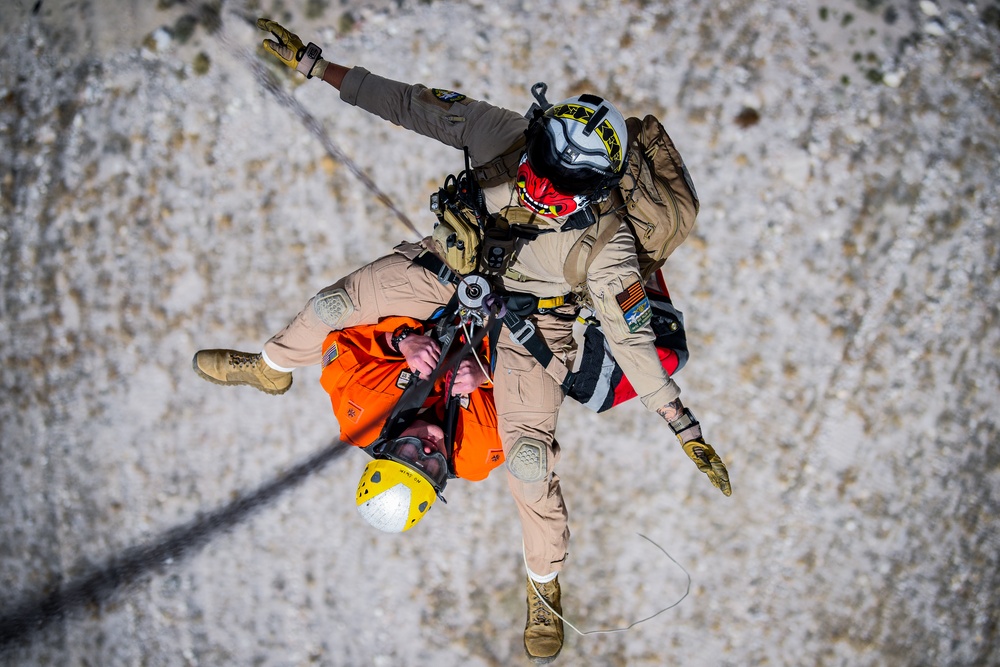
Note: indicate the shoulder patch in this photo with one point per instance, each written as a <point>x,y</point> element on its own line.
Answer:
<point>449,96</point>
<point>332,353</point>
<point>635,306</point>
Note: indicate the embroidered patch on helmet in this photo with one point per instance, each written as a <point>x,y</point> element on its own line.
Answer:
<point>635,306</point>
<point>447,95</point>
<point>330,355</point>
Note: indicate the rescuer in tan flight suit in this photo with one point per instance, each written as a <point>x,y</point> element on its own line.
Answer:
<point>545,174</point>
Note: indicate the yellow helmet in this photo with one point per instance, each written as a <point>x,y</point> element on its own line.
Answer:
<point>393,494</point>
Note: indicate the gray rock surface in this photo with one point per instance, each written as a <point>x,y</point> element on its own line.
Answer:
<point>160,193</point>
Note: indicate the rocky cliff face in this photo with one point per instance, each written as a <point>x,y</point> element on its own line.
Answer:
<point>167,188</point>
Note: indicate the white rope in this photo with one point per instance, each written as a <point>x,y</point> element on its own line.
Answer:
<point>475,355</point>
<point>582,633</point>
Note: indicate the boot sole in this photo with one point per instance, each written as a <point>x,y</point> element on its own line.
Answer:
<point>202,374</point>
<point>539,660</point>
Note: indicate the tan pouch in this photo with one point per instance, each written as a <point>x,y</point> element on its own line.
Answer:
<point>457,238</point>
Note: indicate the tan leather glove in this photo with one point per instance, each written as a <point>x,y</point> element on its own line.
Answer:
<point>290,50</point>
<point>708,462</point>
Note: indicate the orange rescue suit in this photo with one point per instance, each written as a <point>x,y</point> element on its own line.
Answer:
<point>365,379</point>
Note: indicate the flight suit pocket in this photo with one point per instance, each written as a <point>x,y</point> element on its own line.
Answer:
<point>441,104</point>
<point>527,387</point>
<point>393,279</point>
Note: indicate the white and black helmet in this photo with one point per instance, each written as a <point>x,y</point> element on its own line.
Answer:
<point>579,145</point>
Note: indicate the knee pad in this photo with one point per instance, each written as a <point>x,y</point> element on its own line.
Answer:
<point>333,307</point>
<point>528,460</point>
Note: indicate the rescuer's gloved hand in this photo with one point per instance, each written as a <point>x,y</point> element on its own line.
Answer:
<point>290,50</point>
<point>708,462</point>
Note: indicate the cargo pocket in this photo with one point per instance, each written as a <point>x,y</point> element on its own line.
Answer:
<point>528,388</point>
<point>441,105</point>
<point>394,282</point>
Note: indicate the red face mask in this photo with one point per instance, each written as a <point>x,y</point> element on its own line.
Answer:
<point>539,195</point>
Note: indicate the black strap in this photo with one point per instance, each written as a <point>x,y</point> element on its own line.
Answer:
<point>451,428</point>
<point>435,265</point>
<point>525,333</point>
<point>522,332</point>
<point>580,219</point>
<point>416,392</point>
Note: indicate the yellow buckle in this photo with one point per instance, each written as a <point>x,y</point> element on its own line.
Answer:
<point>551,302</point>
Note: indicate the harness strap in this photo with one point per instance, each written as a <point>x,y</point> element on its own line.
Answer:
<point>501,168</point>
<point>415,394</point>
<point>433,263</point>
<point>586,248</point>
<point>525,334</point>
<point>522,332</point>
<point>551,302</point>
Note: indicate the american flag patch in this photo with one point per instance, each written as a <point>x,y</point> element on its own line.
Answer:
<point>635,306</point>
<point>330,355</point>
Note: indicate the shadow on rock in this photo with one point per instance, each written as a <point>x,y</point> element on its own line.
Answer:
<point>35,611</point>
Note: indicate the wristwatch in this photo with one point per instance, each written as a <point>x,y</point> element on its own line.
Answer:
<point>307,60</point>
<point>399,335</point>
<point>683,423</point>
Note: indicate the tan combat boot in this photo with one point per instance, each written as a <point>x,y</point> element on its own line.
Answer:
<point>230,367</point>
<point>543,633</point>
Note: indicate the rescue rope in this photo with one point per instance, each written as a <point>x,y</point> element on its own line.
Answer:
<point>582,633</point>
<point>309,121</point>
<point>468,336</point>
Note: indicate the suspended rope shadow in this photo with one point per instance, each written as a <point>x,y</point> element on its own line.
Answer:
<point>19,621</point>
<point>312,124</point>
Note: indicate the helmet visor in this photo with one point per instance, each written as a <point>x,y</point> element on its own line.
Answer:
<point>409,451</point>
<point>557,167</point>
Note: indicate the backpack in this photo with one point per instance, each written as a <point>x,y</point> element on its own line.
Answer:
<point>656,198</point>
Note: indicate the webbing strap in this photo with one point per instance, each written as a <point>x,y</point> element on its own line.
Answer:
<point>551,302</point>
<point>433,263</point>
<point>501,168</point>
<point>415,394</point>
<point>521,332</point>
<point>526,335</point>
<point>588,246</point>
<point>409,404</point>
